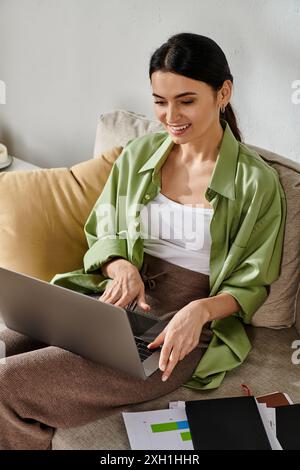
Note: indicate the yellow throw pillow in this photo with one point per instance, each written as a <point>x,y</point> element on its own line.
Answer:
<point>42,214</point>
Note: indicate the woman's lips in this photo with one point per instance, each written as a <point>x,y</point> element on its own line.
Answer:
<point>179,132</point>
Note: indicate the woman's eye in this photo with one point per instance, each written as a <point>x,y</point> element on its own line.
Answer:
<point>183,102</point>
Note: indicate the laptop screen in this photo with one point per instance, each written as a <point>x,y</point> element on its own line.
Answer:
<point>140,323</point>
<point>144,327</point>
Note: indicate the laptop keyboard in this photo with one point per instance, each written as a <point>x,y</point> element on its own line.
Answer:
<point>144,352</point>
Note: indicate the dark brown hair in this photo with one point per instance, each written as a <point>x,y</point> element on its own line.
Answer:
<point>200,58</point>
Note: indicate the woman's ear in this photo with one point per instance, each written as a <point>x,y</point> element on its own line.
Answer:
<point>226,92</point>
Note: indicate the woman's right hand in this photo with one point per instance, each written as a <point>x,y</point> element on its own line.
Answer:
<point>126,285</point>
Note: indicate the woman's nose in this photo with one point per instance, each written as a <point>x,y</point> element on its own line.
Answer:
<point>172,115</point>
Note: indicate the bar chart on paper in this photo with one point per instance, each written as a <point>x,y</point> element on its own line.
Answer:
<point>158,430</point>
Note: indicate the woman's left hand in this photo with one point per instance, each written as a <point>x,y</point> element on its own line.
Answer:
<point>180,336</point>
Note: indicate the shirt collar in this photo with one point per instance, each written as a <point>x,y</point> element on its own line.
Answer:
<point>223,176</point>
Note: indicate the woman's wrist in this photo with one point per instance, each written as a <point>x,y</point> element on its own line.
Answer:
<point>201,310</point>
<point>216,307</point>
<point>115,266</point>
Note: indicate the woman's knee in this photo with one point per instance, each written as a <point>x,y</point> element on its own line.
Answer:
<point>6,379</point>
<point>13,343</point>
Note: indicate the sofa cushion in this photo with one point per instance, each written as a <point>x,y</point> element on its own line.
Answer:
<point>42,214</point>
<point>117,127</point>
<point>281,308</point>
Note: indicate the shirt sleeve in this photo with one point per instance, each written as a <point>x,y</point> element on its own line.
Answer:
<point>101,227</point>
<point>260,261</point>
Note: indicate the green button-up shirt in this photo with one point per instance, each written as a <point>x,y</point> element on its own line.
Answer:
<point>247,230</point>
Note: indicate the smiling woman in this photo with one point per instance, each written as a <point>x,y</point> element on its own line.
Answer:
<point>205,291</point>
<point>181,114</point>
<point>193,67</point>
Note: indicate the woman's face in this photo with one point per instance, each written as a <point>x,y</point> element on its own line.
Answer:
<point>199,110</point>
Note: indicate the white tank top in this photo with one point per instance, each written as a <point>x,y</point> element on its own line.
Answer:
<point>178,233</point>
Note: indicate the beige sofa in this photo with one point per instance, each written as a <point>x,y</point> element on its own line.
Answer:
<point>41,234</point>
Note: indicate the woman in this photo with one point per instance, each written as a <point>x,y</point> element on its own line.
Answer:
<point>206,281</point>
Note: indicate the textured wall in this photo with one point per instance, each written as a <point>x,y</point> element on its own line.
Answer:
<point>66,61</point>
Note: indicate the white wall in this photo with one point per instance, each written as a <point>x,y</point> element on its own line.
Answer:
<point>66,61</point>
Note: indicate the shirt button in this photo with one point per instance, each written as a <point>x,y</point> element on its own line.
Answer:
<point>136,224</point>
<point>147,197</point>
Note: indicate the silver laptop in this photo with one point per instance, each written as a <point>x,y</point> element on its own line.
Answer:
<point>79,323</point>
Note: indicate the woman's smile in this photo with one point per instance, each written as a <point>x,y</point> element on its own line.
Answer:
<point>179,130</point>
